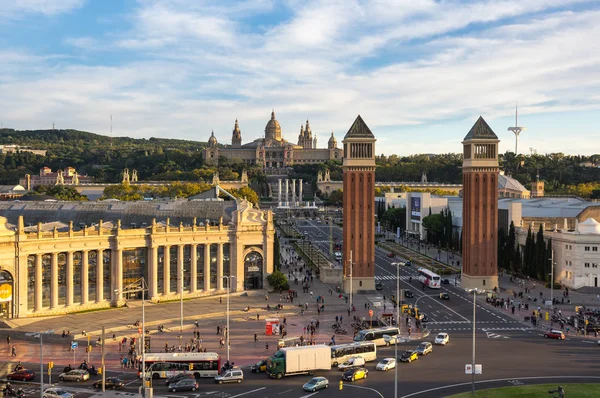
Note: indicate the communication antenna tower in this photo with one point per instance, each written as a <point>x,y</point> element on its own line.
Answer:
<point>516,130</point>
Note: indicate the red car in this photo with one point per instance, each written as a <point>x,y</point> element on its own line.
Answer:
<point>391,254</point>
<point>554,334</point>
<point>23,375</point>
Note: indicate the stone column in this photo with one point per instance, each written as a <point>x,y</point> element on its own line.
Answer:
<point>194,267</point>
<point>167,270</point>
<point>180,269</point>
<point>100,276</point>
<point>219,266</point>
<point>69,300</point>
<point>279,192</point>
<point>153,272</point>
<point>287,192</point>
<point>118,266</point>
<point>38,283</point>
<point>294,192</point>
<point>206,266</point>
<point>300,188</point>
<point>54,281</point>
<point>85,282</point>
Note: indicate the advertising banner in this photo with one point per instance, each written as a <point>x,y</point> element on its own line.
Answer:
<point>415,208</point>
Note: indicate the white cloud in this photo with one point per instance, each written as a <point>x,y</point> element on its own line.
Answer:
<point>15,9</point>
<point>327,61</point>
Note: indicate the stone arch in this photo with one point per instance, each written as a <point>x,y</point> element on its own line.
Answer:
<point>254,268</point>
<point>7,294</point>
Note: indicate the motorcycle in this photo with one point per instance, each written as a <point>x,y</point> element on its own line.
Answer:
<point>8,390</point>
<point>20,393</point>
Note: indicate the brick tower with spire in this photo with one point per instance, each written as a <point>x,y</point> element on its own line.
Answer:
<point>480,208</point>
<point>359,216</point>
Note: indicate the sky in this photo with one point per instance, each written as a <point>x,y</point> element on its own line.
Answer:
<point>419,72</point>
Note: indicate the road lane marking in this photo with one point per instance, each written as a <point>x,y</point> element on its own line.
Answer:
<point>248,392</point>
<point>279,393</point>
<point>414,394</point>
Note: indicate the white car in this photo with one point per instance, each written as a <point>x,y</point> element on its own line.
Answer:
<point>442,339</point>
<point>56,393</point>
<point>393,340</point>
<point>386,364</point>
<point>352,363</point>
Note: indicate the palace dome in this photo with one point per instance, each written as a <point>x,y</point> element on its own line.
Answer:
<point>273,129</point>
<point>212,141</point>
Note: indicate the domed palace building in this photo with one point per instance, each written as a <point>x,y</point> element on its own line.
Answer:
<point>272,151</point>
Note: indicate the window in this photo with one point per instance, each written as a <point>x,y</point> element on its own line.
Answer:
<point>586,265</point>
<point>594,265</point>
<point>595,248</point>
<point>587,248</point>
<point>566,247</point>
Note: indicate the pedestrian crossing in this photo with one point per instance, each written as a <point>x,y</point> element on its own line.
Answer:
<point>469,322</point>
<point>485,330</point>
<point>392,278</point>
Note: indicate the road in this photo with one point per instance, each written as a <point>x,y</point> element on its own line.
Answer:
<point>510,352</point>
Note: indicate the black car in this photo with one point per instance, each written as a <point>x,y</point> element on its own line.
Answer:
<point>445,281</point>
<point>178,377</point>
<point>408,263</point>
<point>184,385</point>
<point>378,286</point>
<point>112,383</point>
<point>408,294</point>
<point>260,366</point>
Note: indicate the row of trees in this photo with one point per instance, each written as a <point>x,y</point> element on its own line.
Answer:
<point>440,231</point>
<point>535,260</point>
<point>131,192</point>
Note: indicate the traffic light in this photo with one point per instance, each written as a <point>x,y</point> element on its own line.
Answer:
<point>341,385</point>
<point>147,343</point>
<point>50,365</point>
<point>100,370</point>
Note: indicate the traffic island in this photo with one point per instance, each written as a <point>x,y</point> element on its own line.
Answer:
<point>536,391</point>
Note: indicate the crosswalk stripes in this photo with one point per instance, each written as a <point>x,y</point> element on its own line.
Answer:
<point>491,335</point>
<point>392,278</point>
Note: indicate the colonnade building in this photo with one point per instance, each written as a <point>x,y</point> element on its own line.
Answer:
<point>51,271</point>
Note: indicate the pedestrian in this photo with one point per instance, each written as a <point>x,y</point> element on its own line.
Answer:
<point>255,337</point>
<point>257,316</point>
<point>333,340</point>
<point>219,329</point>
<point>220,300</point>
<point>409,330</point>
<point>336,319</point>
<point>284,320</point>
<point>267,346</point>
<point>14,351</point>
<point>8,339</point>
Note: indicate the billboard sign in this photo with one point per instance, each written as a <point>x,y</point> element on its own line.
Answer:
<point>415,208</point>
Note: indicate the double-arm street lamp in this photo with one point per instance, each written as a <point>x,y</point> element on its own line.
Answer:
<point>475,292</point>
<point>398,323</point>
<point>229,278</point>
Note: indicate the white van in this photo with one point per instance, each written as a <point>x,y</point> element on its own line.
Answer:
<point>338,256</point>
<point>230,376</point>
<point>351,363</point>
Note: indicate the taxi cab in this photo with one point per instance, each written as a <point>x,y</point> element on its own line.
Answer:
<point>409,356</point>
<point>355,374</point>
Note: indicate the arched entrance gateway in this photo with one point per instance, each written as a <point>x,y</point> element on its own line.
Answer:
<point>253,271</point>
<point>6,294</point>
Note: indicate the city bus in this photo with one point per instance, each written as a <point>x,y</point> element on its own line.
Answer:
<point>166,364</point>
<point>429,278</point>
<point>342,352</point>
<point>290,342</point>
<point>376,335</point>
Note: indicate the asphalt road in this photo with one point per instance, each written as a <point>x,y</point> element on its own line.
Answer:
<point>511,353</point>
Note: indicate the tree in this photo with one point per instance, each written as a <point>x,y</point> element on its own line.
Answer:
<point>245,193</point>
<point>336,197</point>
<point>540,255</point>
<point>278,280</point>
<point>61,192</point>
<point>435,227</point>
<point>548,262</point>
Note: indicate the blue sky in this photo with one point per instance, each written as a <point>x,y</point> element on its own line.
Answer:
<point>420,72</point>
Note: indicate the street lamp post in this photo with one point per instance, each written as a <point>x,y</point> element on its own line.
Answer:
<point>475,291</point>
<point>137,286</point>
<point>552,280</point>
<point>228,331</point>
<point>398,325</point>
<point>350,280</point>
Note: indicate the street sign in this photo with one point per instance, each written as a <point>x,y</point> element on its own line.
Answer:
<point>370,312</point>
<point>74,345</point>
<point>469,369</point>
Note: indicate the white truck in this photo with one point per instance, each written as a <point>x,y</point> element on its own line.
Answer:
<point>290,361</point>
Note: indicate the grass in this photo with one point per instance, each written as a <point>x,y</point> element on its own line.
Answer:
<point>536,391</point>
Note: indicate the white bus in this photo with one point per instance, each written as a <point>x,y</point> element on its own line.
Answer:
<point>376,335</point>
<point>342,352</point>
<point>166,364</point>
<point>429,278</point>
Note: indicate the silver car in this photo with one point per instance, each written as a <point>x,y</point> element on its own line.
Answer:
<point>56,393</point>
<point>74,375</point>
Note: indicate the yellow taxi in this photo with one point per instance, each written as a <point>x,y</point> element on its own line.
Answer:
<point>409,356</point>
<point>355,374</point>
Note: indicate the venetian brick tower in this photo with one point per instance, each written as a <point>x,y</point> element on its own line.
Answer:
<point>480,208</point>
<point>359,200</point>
